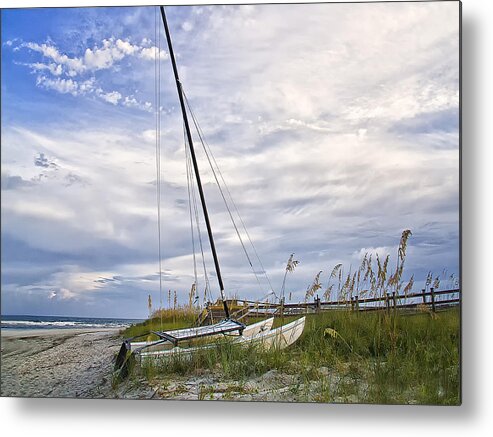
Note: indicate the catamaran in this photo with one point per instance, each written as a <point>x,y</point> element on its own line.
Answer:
<point>171,342</point>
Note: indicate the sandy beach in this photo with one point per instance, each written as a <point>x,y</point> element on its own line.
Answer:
<point>75,363</point>
<point>78,363</point>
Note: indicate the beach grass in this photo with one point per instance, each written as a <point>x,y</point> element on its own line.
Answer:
<point>343,356</point>
<point>164,319</point>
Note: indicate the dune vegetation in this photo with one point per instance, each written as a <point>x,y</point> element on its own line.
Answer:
<point>342,356</point>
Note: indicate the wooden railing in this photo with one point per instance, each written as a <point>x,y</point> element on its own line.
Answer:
<point>432,299</point>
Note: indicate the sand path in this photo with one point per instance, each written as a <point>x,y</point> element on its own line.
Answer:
<point>58,363</point>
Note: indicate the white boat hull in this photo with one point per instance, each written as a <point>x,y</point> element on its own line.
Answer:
<point>281,337</point>
<point>267,339</point>
<point>258,328</point>
<point>249,331</point>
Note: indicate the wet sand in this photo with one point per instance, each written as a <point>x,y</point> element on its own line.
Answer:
<point>62,363</point>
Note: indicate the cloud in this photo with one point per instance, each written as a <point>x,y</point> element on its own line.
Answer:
<point>74,65</point>
<point>89,87</point>
<point>382,252</point>
<point>63,86</point>
<point>62,294</point>
<point>14,182</point>
<point>105,56</point>
<point>68,73</point>
<point>42,161</point>
<point>187,26</point>
<point>54,69</point>
<point>72,179</point>
<point>131,102</point>
<point>113,97</point>
<point>152,53</point>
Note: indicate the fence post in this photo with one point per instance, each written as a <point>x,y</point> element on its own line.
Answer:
<point>394,300</point>
<point>317,304</point>
<point>357,302</point>
<point>387,302</point>
<point>424,295</point>
<point>432,299</point>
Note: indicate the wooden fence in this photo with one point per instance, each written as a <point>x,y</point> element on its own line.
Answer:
<point>432,299</point>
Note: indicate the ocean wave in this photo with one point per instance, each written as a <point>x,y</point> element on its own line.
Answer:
<point>38,324</point>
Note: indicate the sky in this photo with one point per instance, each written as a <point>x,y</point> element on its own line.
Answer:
<point>335,126</point>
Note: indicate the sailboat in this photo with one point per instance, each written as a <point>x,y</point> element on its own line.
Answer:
<point>170,342</point>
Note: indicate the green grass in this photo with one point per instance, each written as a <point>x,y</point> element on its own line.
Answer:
<point>374,358</point>
<point>406,358</point>
<point>171,319</point>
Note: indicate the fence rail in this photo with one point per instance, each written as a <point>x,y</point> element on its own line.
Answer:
<point>432,299</point>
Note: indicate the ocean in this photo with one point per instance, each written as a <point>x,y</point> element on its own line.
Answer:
<point>59,322</point>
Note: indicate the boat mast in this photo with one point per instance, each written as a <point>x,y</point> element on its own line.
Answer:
<point>194,161</point>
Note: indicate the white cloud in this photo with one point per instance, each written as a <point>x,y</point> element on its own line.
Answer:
<point>101,57</point>
<point>112,97</point>
<point>187,26</point>
<point>63,294</point>
<point>87,86</point>
<point>108,54</point>
<point>52,52</point>
<point>126,48</point>
<point>69,72</point>
<point>132,102</point>
<point>54,69</point>
<point>39,210</point>
<point>150,54</point>
<point>62,86</point>
<point>382,252</point>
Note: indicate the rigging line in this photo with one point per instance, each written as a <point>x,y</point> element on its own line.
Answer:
<point>158,163</point>
<point>199,131</point>
<point>228,209</point>
<point>190,210</point>
<point>218,184</point>
<point>242,223</point>
<point>207,290</point>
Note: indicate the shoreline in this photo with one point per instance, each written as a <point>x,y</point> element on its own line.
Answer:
<point>36,332</point>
